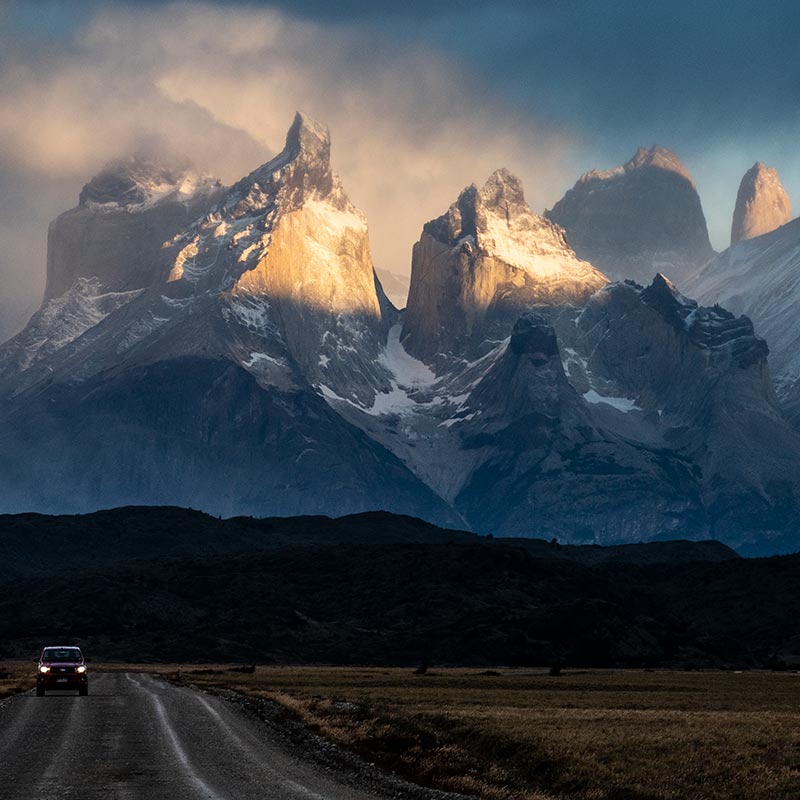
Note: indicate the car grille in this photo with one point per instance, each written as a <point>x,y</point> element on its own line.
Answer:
<point>62,670</point>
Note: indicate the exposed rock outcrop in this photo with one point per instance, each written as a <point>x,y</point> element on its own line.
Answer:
<point>653,417</point>
<point>638,219</point>
<point>760,277</point>
<point>547,463</point>
<point>481,264</point>
<point>286,245</point>
<point>256,366</point>
<point>201,386</point>
<point>761,204</point>
<point>125,214</point>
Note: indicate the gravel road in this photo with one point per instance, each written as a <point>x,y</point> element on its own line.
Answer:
<point>138,737</point>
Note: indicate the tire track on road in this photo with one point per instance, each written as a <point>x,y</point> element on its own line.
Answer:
<point>293,786</point>
<point>48,785</point>
<point>171,736</point>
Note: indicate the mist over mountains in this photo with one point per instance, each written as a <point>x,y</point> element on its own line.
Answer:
<point>233,349</point>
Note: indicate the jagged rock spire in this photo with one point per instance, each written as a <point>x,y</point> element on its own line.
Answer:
<point>761,204</point>
<point>308,138</point>
<point>487,259</point>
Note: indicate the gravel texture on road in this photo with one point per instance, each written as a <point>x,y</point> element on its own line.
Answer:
<point>138,737</point>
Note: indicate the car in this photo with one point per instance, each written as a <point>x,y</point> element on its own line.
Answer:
<point>62,667</point>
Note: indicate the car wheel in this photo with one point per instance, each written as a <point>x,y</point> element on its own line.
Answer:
<point>40,691</point>
<point>83,691</point>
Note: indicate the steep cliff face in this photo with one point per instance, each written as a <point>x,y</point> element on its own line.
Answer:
<point>700,375</point>
<point>276,274</point>
<point>762,204</point>
<point>644,414</point>
<point>638,219</point>
<point>203,387</point>
<point>125,214</point>
<point>287,244</point>
<point>256,366</point>
<point>760,277</point>
<point>481,264</point>
<point>548,465</point>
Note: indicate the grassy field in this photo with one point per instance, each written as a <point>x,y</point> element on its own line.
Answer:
<point>620,735</point>
<point>503,734</point>
<point>16,676</point>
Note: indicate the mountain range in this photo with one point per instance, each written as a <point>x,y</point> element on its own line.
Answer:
<point>232,348</point>
<point>173,585</point>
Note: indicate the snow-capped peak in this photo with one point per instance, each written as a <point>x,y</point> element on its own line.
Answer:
<point>482,263</point>
<point>222,249</point>
<point>309,138</point>
<point>497,219</point>
<point>139,182</point>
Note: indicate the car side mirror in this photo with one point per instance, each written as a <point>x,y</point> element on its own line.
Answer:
<point>88,660</point>
<point>35,660</point>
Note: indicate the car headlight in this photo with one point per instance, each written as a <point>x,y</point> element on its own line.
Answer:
<point>43,668</point>
<point>81,669</point>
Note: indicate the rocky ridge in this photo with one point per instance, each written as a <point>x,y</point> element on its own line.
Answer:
<point>641,412</point>
<point>258,368</point>
<point>637,219</point>
<point>124,215</point>
<point>762,204</point>
<point>481,264</point>
<point>204,377</point>
<point>760,277</point>
<point>635,412</point>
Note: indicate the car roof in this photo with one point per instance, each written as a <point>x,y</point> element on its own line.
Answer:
<point>61,647</point>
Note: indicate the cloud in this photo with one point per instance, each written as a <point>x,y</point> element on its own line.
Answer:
<point>220,85</point>
<point>421,98</point>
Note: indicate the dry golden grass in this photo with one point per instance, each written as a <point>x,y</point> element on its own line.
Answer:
<point>16,677</point>
<point>617,735</point>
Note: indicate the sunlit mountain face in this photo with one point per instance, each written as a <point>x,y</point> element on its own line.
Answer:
<point>397,84</point>
<point>232,348</point>
<point>405,302</point>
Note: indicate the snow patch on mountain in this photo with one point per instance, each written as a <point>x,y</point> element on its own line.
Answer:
<point>251,313</point>
<point>140,183</point>
<point>257,358</point>
<point>64,319</point>
<point>409,377</point>
<point>624,404</point>
<point>528,242</point>
<point>408,371</point>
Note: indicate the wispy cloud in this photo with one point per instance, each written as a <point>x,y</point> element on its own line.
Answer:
<point>220,85</point>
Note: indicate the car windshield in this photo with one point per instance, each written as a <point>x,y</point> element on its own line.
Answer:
<point>61,654</point>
